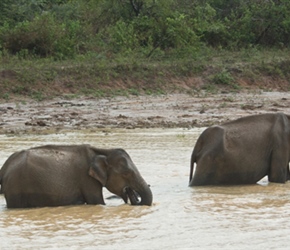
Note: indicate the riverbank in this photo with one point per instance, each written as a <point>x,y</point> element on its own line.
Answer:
<point>163,111</point>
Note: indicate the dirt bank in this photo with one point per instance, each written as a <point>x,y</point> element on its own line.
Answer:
<point>175,110</point>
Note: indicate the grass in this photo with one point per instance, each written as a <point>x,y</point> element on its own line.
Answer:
<point>133,75</point>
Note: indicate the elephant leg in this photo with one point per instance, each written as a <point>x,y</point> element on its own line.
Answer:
<point>93,199</point>
<point>278,171</point>
<point>14,201</point>
<point>92,193</point>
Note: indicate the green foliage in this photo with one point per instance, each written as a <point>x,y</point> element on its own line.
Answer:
<point>43,36</point>
<point>16,11</point>
<point>65,28</point>
<point>178,33</point>
<point>223,77</point>
<point>248,23</point>
<point>37,95</point>
<point>123,37</point>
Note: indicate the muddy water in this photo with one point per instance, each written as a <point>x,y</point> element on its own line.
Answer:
<point>241,217</point>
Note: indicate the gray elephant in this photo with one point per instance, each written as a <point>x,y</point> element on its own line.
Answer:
<point>243,151</point>
<point>58,175</point>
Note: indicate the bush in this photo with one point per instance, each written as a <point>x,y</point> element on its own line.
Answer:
<point>43,36</point>
<point>223,77</point>
<point>248,23</point>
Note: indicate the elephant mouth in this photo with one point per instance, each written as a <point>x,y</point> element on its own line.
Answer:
<point>132,195</point>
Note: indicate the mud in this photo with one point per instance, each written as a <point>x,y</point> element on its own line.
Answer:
<point>168,111</point>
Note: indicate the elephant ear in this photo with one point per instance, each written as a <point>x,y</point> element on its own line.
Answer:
<point>98,169</point>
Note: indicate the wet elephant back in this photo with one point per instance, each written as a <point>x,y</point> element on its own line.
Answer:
<point>251,136</point>
<point>60,165</point>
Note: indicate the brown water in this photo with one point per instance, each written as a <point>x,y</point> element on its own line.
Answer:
<point>240,217</point>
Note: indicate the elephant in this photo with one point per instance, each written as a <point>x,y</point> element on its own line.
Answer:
<point>243,151</point>
<point>59,175</point>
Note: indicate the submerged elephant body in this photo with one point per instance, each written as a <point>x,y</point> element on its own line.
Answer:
<point>243,151</point>
<point>54,175</point>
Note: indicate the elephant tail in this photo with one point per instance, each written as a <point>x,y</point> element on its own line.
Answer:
<point>1,192</point>
<point>192,161</point>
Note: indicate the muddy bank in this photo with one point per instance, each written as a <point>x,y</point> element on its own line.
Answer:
<point>174,110</point>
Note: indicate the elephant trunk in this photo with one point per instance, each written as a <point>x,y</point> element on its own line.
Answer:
<point>143,192</point>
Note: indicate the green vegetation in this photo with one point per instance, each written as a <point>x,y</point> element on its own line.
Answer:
<point>127,47</point>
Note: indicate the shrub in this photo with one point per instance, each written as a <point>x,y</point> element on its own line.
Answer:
<point>43,36</point>
<point>223,77</point>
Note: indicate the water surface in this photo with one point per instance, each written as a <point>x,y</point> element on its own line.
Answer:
<point>239,217</point>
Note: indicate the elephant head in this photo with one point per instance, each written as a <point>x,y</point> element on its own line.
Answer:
<point>115,170</point>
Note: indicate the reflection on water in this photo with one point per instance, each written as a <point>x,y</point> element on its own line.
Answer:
<point>239,217</point>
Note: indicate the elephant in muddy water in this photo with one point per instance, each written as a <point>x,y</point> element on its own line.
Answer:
<point>243,151</point>
<point>58,175</point>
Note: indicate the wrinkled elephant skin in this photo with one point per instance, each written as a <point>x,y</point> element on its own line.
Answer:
<point>243,151</point>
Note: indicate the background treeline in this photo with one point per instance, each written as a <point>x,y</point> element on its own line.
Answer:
<point>63,29</point>
<point>120,47</point>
